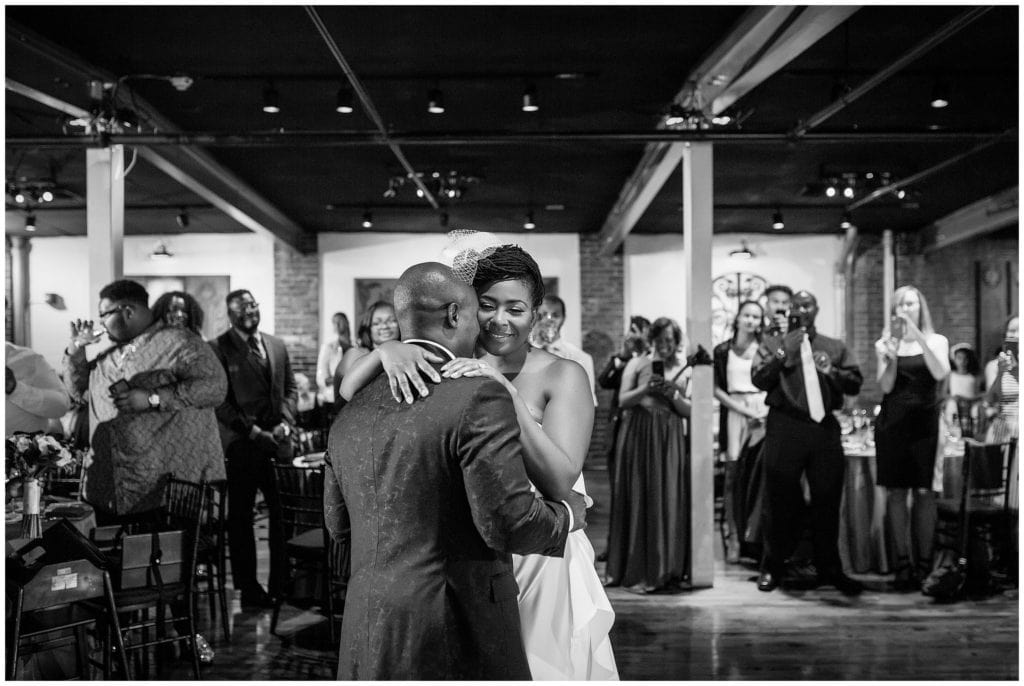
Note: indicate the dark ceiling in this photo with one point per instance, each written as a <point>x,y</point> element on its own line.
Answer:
<point>599,70</point>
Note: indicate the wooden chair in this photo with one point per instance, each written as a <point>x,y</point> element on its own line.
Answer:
<point>212,553</point>
<point>56,600</point>
<point>339,566</point>
<point>301,493</point>
<point>983,516</point>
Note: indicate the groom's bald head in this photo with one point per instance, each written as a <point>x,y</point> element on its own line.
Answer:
<point>433,304</point>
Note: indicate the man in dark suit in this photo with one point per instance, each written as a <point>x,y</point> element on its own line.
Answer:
<point>806,375</point>
<point>255,421</point>
<point>438,498</point>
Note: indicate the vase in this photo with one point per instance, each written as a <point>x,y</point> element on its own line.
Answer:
<point>31,519</point>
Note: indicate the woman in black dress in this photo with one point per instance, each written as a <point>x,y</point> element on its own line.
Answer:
<point>912,362</point>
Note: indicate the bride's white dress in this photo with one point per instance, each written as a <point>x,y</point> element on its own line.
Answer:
<point>565,613</point>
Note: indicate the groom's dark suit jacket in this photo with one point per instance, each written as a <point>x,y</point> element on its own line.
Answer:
<point>438,499</point>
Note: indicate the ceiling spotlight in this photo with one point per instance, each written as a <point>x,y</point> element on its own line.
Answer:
<point>901,194</point>
<point>19,197</point>
<point>271,100</point>
<point>419,192</point>
<point>721,119</point>
<point>368,220</point>
<point>743,252</point>
<point>846,222</point>
<point>777,222</point>
<point>435,102</point>
<point>675,116</point>
<point>47,196</point>
<point>183,219</point>
<point>529,225</point>
<point>160,253</point>
<point>848,192</point>
<point>940,95</point>
<point>530,99</point>
<point>30,222</point>
<point>830,191</point>
<point>343,103</point>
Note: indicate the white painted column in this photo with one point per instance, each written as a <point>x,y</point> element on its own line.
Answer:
<point>104,216</point>
<point>888,274</point>
<point>20,247</point>
<point>698,223</point>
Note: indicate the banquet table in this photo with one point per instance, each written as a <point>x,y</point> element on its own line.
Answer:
<point>79,514</point>
<point>864,544</point>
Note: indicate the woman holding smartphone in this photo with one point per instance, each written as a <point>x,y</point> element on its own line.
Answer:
<point>648,545</point>
<point>1004,395</point>
<point>912,362</point>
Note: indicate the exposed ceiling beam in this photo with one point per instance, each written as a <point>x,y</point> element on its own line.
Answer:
<point>763,41</point>
<point>976,219</point>
<point>192,167</point>
<point>293,139</point>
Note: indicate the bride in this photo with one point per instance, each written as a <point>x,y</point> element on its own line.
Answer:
<point>564,612</point>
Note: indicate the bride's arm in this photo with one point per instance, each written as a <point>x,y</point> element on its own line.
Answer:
<point>402,362</point>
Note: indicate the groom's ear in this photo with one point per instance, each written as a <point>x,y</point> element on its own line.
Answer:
<point>451,316</point>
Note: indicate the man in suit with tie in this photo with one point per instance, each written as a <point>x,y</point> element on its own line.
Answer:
<point>255,421</point>
<point>805,374</point>
<point>438,499</point>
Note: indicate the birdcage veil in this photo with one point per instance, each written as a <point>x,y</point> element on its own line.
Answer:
<point>465,249</point>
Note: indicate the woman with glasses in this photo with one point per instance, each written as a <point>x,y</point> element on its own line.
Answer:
<point>377,325</point>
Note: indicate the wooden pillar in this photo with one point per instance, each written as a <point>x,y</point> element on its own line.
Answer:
<point>20,248</point>
<point>888,274</point>
<point>104,215</point>
<point>698,222</point>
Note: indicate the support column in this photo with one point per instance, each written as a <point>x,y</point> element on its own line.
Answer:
<point>20,248</point>
<point>888,274</point>
<point>698,223</point>
<point>104,218</point>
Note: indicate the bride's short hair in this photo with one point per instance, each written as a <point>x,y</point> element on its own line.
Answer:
<point>508,263</point>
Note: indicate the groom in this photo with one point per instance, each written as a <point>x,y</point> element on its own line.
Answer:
<point>438,499</point>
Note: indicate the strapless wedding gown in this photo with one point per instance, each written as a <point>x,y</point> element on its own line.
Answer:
<point>565,613</point>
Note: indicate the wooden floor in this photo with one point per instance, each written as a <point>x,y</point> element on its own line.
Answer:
<point>730,631</point>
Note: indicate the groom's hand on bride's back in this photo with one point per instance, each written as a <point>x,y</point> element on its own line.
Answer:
<point>578,506</point>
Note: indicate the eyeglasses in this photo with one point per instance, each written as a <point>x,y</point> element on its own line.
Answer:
<point>242,307</point>
<point>114,310</point>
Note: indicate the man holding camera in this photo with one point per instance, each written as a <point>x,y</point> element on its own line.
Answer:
<point>151,405</point>
<point>805,375</point>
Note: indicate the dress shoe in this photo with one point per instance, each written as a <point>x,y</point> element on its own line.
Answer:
<point>843,583</point>
<point>767,582</point>
<point>256,599</point>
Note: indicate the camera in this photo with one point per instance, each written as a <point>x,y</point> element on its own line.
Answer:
<point>658,368</point>
<point>1012,346</point>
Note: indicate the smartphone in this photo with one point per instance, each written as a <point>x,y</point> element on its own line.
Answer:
<point>119,386</point>
<point>658,368</point>
<point>896,327</point>
<point>795,322</point>
<point>1012,346</point>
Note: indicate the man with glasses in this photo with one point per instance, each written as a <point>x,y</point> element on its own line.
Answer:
<point>256,420</point>
<point>151,396</point>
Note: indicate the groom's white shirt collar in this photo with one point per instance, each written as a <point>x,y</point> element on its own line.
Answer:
<point>451,355</point>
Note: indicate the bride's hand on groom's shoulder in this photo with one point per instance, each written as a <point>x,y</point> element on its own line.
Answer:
<point>467,366</point>
<point>405,365</point>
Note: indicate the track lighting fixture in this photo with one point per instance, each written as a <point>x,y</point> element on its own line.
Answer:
<point>183,219</point>
<point>940,95</point>
<point>777,222</point>
<point>529,224</point>
<point>848,192</point>
<point>435,102</point>
<point>846,222</point>
<point>160,253</point>
<point>530,99</point>
<point>743,252</point>
<point>901,194</point>
<point>343,102</point>
<point>367,220</point>
<point>271,100</point>
<point>830,191</point>
<point>47,196</point>
<point>19,197</point>
<point>30,222</point>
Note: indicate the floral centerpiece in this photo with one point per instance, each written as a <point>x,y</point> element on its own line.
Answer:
<point>29,457</point>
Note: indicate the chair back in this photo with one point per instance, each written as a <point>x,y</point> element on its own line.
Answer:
<point>968,413</point>
<point>139,565</point>
<point>301,492</point>
<point>61,583</point>
<point>987,468</point>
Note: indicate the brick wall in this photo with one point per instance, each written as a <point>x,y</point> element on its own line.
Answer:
<point>297,304</point>
<point>947,279</point>
<point>601,288</point>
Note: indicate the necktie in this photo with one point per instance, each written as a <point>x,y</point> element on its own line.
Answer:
<point>255,348</point>
<point>815,405</point>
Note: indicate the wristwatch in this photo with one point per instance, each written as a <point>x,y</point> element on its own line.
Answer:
<point>780,354</point>
<point>154,401</point>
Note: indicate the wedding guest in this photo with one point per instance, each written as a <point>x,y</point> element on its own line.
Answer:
<point>1004,393</point>
<point>742,404</point>
<point>178,308</point>
<point>912,361</point>
<point>35,394</point>
<point>377,325</point>
<point>547,335</point>
<point>964,387</point>
<point>151,405</point>
<point>777,297</point>
<point>649,539</point>
<point>330,356</point>
<point>805,374</point>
